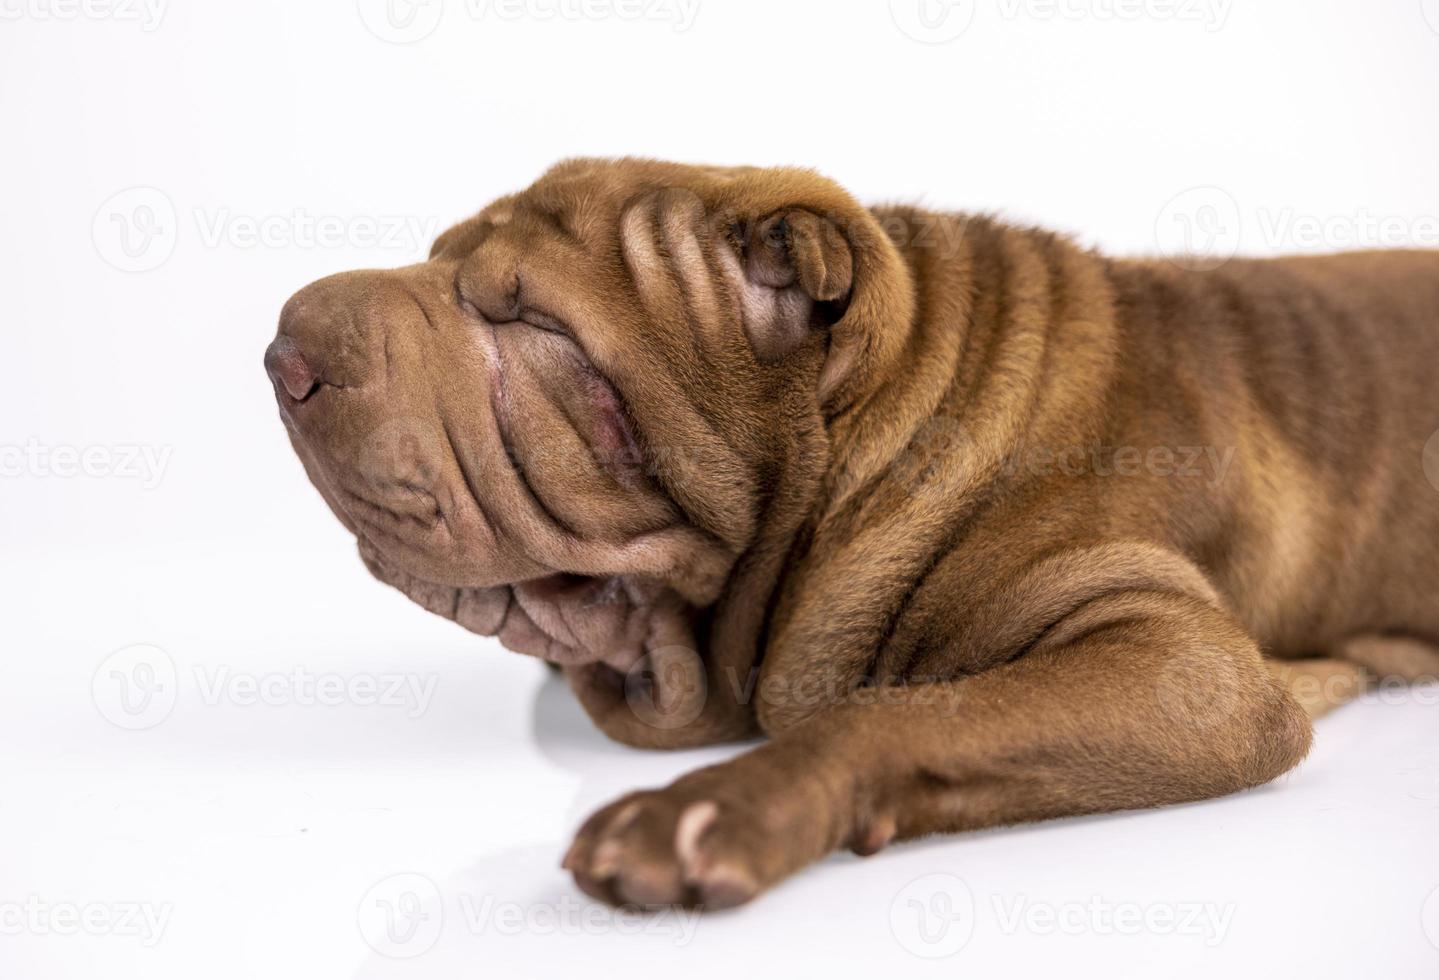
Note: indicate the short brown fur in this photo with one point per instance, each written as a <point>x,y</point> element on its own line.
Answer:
<point>977,526</point>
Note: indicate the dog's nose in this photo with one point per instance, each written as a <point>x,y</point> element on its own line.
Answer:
<point>287,366</point>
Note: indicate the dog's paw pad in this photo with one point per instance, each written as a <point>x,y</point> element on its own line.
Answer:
<point>665,848</point>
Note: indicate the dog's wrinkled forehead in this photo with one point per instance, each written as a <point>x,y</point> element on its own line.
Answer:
<point>629,257</point>
<point>658,265</point>
<point>580,200</point>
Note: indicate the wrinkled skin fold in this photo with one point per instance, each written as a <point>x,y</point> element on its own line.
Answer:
<point>976,526</point>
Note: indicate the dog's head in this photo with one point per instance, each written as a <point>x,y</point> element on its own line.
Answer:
<point>565,427</point>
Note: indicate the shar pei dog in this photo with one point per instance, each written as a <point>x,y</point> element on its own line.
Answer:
<point>974,525</point>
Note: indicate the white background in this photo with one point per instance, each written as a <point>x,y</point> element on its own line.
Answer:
<point>265,834</point>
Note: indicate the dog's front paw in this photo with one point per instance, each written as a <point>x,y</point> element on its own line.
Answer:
<point>669,847</point>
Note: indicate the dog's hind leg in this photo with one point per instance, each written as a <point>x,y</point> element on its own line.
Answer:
<point>1393,658</point>
<point>1321,684</point>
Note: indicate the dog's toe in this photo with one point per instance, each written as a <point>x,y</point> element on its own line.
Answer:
<point>665,848</point>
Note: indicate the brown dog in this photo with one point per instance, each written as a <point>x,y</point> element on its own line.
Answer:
<point>979,527</point>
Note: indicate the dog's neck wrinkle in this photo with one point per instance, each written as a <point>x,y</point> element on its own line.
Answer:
<point>875,428</point>
<point>908,468</point>
<point>739,623</point>
<point>1028,293</point>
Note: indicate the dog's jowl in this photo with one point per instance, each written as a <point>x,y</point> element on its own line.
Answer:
<point>976,526</point>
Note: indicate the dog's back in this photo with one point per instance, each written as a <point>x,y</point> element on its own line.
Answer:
<point>1319,373</point>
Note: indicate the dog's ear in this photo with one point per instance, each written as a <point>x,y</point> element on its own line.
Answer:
<point>806,261</point>
<point>792,271</point>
